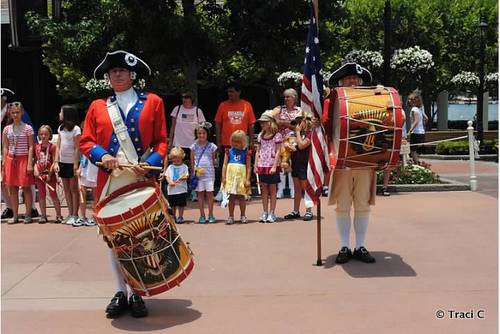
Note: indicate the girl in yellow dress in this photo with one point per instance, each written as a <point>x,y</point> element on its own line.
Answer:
<point>236,174</point>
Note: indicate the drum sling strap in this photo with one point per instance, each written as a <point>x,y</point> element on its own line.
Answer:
<point>126,147</point>
<point>121,132</point>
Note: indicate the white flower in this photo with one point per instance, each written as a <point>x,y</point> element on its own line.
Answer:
<point>96,86</point>
<point>491,77</point>
<point>412,59</point>
<point>465,79</point>
<point>365,58</point>
<point>285,77</point>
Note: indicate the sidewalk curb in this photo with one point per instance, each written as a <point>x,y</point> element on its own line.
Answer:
<point>449,185</point>
<point>482,157</point>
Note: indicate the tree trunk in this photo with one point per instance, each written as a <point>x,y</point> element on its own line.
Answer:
<point>190,63</point>
<point>191,74</point>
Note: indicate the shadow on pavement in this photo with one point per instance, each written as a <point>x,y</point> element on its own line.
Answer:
<point>163,313</point>
<point>387,265</point>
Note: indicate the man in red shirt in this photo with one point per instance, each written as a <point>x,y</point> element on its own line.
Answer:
<point>144,118</point>
<point>233,114</point>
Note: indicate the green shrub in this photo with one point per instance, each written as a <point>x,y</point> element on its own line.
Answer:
<point>461,147</point>
<point>410,174</point>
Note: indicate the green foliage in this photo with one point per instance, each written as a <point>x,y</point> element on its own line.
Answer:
<point>461,147</point>
<point>410,174</point>
<point>189,43</point>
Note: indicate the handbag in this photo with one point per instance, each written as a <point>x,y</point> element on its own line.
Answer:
<point>193,182</point>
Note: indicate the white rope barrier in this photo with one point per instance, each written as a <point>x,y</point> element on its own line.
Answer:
<point>440,141</point>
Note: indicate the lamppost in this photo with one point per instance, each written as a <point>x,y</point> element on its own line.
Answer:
<point>387,43</point>
<point>483,27</point>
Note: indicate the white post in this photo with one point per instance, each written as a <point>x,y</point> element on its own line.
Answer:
<point>472,166</point>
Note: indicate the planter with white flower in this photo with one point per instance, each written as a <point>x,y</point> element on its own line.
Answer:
<point>290,79</point>
<point>368,59</point>
<point>102,88</point>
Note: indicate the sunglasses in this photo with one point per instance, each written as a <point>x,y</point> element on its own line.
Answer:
<point>15,104</point>
<point>186,97</point>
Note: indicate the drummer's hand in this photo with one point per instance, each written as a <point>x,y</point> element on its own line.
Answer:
<point>109,162</point>
<point>138,170</point>
<point>273,170</point>
<point>30,169</point>
<point>247,184</point>
<point>55,167</point>
<point>255,170</point>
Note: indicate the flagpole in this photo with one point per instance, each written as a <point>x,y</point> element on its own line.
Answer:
<point>319,261</point>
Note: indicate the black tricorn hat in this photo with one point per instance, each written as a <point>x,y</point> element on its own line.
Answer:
<point>7,94</point>
<point>122,59</point>
<point>350,69</point>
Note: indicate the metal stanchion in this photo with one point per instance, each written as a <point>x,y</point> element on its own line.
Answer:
<point>472,166</point>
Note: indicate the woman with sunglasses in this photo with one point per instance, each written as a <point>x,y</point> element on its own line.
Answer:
<point>17,161</point>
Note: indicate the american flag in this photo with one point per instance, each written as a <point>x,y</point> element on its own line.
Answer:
<point>311,101</point>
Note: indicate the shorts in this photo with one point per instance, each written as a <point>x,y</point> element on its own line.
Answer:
<point>270,178</point>
<point>177,200</point>
<point>205,185</point>
<point>416,138</point>
<point>300,173</point>
<point>66,170</point>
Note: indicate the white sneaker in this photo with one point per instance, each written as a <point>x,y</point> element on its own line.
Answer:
<point>243,219</point>
<point>263,218</point>
<point>70,220</point>
<point>90,222</point>
<point>79,222</point>
<point>279,194</point>
<point>271,218</point>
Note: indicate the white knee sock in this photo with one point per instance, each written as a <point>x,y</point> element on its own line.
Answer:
<point>117,274</point>
<point>360,227</point>
<point>344,228</point>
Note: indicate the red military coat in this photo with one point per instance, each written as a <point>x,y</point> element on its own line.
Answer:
<point>146,126</point>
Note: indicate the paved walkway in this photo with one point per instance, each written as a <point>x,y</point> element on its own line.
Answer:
<point>458,170</point>
<point>435,252</point>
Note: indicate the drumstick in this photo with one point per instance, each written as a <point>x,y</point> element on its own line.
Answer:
<point>258,183</point>
<point>48,185</point>
<point>147,167</point>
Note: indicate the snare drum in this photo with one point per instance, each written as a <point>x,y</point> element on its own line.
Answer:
<point>367,128</point>
<point>135,221</point>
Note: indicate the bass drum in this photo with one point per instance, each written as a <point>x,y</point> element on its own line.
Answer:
<point>367,127</point>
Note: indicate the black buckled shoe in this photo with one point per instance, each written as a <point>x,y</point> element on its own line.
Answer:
<point>343,256</point>
<point>363,255</point>
<point>117,306</point>
<point>137,306</point>
<point>7,213</point>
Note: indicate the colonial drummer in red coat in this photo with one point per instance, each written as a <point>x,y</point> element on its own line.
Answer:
<point>137,134</point>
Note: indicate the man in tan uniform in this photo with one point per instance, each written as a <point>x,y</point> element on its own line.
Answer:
<point>351,187</point>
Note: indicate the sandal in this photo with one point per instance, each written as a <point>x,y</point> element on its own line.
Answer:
<point>43,220</point>
<point>292,215</point>
<point>58,220</point>
<point>308,216</point>
<point>385,192</point>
